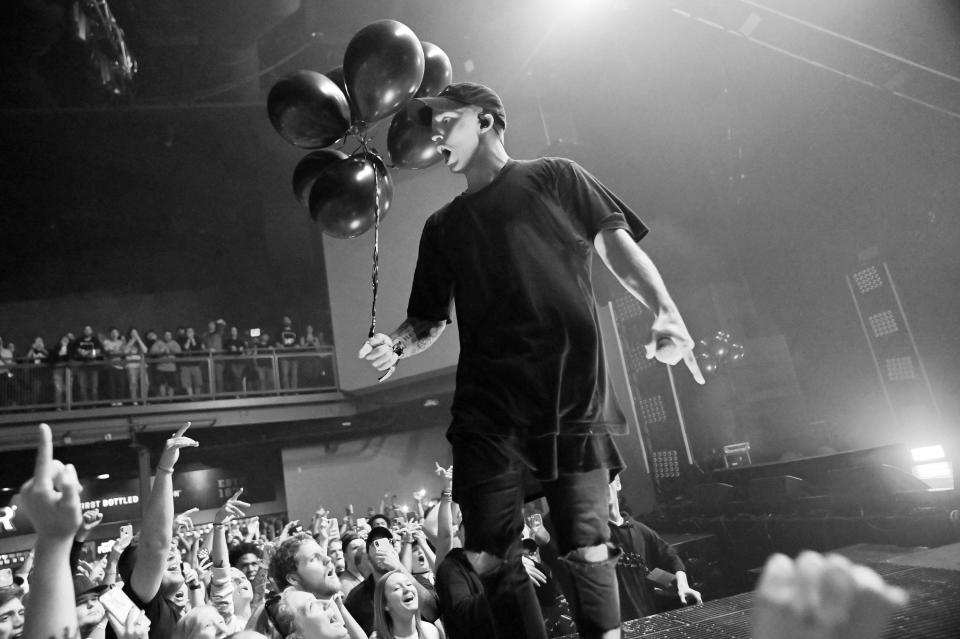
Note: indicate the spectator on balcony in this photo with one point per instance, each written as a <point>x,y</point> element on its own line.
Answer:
<point>116,377</point>
<point>7,381</point>
<point>59,357</point>
<point>37,356</point>
<point>263,361</point>
<point>134,353</point>
<point>87,353</point>
<point>311,364</point>
<point>235,347</point>
<point>149,339</point>
<point>289,365</point>
<point>213,343</point>
<point>191,376</point>
<point>166,351</point>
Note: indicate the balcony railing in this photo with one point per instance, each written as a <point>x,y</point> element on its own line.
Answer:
<point>75,385</point>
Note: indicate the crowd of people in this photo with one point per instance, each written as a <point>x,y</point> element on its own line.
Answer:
<point>352,578</point>
<point>112,367</point>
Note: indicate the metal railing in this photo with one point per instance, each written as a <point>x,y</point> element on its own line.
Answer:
<point>75,385</point>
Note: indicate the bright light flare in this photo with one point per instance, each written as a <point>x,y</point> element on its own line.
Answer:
<point>927,453</point>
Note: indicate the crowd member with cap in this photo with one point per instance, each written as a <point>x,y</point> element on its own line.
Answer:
<point>513,254</point>
<point>383,557</point>
<point>91,615</point>
<point>353,550</point>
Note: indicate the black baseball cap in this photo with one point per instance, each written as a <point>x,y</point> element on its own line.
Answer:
<point>83,585</point>
<point>455,96</point>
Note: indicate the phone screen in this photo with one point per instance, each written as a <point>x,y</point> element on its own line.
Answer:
<point>118,606</point>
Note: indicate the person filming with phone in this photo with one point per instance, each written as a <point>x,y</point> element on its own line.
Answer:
<point>384,558</point>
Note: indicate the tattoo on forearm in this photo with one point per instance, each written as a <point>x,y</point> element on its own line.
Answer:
<point>417,335</point>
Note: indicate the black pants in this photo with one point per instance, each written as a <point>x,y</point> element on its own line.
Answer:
<point>489,485</point>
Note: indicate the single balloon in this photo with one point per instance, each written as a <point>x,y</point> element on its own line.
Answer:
<point>309,167</point>
<point>437,70</point>
<point>410,144</point>
<point>336,74</point>
<point>382,68</point>
<point>345,197</point>
<point>308,110</point>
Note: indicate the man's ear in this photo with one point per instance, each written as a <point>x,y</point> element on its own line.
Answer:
<point>293,578</point>
<point>486,121</point>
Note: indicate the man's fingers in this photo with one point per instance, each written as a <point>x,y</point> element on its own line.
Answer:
<point>182,430</point>
<point>236,495</point>
<point>189,512</point>
<point>41,470</point>
<point>241,503</point>
<point>690,359</point>
<point>364,350</point>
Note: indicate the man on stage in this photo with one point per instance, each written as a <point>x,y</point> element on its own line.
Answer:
<point>532,401</point>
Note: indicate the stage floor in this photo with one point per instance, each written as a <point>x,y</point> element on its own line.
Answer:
<point>931,577</point>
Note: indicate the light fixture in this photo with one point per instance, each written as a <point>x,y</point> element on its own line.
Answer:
<point>104,476</point>
<point>927,453</point>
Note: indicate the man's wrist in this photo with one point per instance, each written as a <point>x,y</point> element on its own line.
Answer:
<point>398,347</point>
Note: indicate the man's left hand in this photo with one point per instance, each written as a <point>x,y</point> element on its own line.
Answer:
<point>689,595</point>
<point>670,343</point>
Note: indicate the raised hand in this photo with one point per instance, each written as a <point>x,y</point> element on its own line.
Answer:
<point>446,473</point>
<point>817,597</point>
<point>230,509</point>
<point>51,498</point>
<point>126,536</point>
<point>91,519</point>
<point>171,450</point>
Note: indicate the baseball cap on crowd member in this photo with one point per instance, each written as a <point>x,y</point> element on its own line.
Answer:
<point>456,96</point>
<point>83,587</point>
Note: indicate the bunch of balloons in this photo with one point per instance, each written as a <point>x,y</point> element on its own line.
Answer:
<point>718,351</point>
<point>385,66</point>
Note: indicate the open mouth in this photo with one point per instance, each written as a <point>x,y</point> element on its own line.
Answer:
<point>445,152</point>
<point>408,599</point>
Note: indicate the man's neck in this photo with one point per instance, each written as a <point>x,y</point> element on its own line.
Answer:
<point>485,168</point>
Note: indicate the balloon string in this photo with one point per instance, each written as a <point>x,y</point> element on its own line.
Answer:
<point>375,273</point>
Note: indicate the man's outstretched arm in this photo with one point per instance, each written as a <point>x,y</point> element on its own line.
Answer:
<point>411,337</point>
<point>670,342</point>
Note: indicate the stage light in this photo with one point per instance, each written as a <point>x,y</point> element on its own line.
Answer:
<point>867,279</point>
<point>927,453</point>
<point>104,476</point>
<point>883,323</point>
<point>900,369</point>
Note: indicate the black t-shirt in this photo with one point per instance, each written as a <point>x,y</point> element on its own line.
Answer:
<point>515,258</point>
<point>360,604</point>
<point>643,550</point>
<point>163,618</point>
